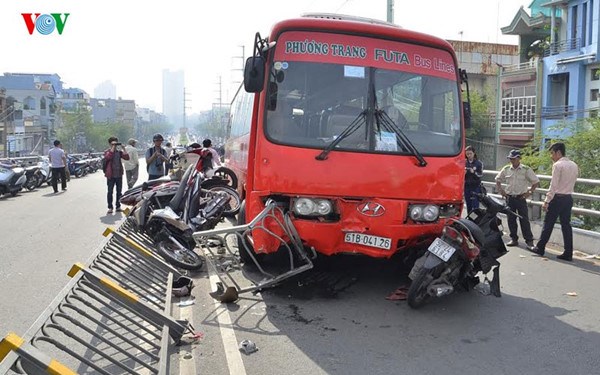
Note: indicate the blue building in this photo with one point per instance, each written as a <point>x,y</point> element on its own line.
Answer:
<point>571,69</point>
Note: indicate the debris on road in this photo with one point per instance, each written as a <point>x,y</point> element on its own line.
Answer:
<point>400,294</point>
<point>248,347</point>
<point>571,294</point>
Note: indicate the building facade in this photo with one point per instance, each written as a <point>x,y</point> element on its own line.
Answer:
<point>173,97</point>
<point>30,112</point>
<point>571,79</point>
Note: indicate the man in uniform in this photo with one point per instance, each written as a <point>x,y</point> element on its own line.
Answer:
<point>517,178</point>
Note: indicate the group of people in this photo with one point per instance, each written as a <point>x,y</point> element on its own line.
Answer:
<point>121,160</point>
<point>521,182</point>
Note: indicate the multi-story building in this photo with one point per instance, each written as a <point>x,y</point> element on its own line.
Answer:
<point>105,90</point>
<point>31,106</point>
<point>73,100</point>
<point>520,84</point>
<point>482,61</point>
<point>173,99</point>
<point>571,77</point>
<point>113,111</point>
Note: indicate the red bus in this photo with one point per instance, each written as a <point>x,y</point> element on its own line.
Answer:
<point>355,127</point>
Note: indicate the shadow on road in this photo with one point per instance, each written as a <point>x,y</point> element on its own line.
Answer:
<point>112,218</point>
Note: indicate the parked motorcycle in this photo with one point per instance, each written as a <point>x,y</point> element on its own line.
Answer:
<point>12,179</point>
<point>466,247</point>
<point>45,171</point>
<point>33,177</point>
<point>77,168</point>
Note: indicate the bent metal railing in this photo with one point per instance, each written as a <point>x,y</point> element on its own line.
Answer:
<point>113,317</point>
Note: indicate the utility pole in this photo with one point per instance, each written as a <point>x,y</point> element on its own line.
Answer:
<point>241,69</point>
<point>390,11</point>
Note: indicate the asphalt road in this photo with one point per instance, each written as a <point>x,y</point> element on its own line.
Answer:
<point>42,235</point>
<point>332,320</point>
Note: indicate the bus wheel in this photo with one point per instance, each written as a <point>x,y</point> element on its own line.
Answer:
<point>243,244</point>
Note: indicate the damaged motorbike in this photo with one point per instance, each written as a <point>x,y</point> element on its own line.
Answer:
<point>466,247</point>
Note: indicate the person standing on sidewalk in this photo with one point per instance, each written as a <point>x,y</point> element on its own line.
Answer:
<point>114,172</point>
<point>473,174</point>
<point>559,201</point>
<point>58,163</point>
<point>132,166</point>
<point>517,177</point>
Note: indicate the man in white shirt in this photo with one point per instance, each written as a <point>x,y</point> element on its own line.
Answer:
<point>58,162</point>
<point>132,166</point>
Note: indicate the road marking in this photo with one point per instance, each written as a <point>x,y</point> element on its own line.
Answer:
<point>230,343</point>
<point>187,366</point>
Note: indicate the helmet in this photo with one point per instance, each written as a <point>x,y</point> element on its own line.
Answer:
<point>157,137</point>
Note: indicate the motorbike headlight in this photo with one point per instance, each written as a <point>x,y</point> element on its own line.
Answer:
<point>304,206</point>
<point>324,207</point>
<point>431,213</point>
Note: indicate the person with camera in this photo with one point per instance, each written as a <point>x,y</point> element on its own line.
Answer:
<point>156,157</point>
<point>113,171</point>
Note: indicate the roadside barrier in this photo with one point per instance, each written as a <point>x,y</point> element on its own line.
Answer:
<point>113,317</point>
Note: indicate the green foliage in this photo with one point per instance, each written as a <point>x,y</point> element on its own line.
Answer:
<point>481,105</point>
<point>80,134</point>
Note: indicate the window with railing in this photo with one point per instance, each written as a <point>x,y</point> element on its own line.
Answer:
<point>518,112</point>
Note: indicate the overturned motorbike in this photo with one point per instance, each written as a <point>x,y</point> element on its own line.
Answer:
<point>467,246</point>
<point>191,209</point>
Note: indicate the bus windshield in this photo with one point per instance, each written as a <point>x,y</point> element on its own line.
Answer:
<point>311,103</point>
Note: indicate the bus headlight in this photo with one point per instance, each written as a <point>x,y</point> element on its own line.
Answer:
<point>304,206</point>
<point>324,207</point>
<point>312,207</point>
<point>422,212</point>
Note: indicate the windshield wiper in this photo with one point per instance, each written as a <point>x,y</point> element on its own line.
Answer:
<point>360,120</point>
<point>382,118</point>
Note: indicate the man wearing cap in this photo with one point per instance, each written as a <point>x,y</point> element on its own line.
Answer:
<point>132,166</point>
<point>517,178</point>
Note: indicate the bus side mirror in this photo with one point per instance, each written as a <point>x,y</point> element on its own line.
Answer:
<point>467,114</point>
<point>254,74</point>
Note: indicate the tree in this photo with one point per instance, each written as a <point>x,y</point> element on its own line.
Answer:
<point>481,105</point>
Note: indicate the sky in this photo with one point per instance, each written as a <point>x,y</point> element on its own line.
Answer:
<point>130,42</point>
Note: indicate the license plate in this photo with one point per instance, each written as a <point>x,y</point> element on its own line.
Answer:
<point>441,249</point>
<point>368,240</point>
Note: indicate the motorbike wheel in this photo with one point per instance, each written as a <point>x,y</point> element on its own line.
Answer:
<point>233,205</point>
<point>78,173</point>
<point>31,183</point>
<point>228,176</point>
<point>417,293</point>
<point>182,258</point>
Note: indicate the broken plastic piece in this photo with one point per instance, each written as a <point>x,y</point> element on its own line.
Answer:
<point>400,294</point>
<point>248,347</point>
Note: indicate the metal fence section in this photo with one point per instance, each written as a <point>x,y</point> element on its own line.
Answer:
<point>113,317</point>
<point>539,195</point>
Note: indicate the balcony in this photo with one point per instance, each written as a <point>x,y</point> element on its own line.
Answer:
<point>560,112</point>
<point>563,46</point>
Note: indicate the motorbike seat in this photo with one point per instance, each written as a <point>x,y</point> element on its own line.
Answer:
<point>477,233</point>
